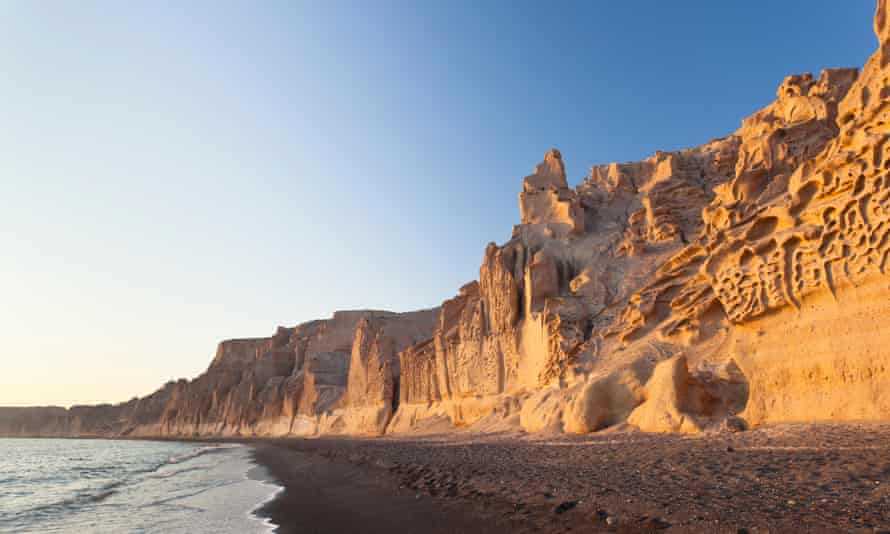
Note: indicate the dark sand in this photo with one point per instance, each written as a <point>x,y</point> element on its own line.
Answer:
<point>790,478</point>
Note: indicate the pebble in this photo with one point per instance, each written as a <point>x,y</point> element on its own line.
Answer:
<point>611,520</point>
<point>657,523</point>
<point>565,506</point>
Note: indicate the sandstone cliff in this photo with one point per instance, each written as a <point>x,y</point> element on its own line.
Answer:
<point>735,283</point>
<point>335,375</point>
<point>661,293</point>
<point>296,382</point>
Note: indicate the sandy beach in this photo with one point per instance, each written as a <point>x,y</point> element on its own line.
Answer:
<point>801,478</point>
<point>328,493</point>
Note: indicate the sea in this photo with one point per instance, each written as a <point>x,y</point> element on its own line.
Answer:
<point>116,486</point>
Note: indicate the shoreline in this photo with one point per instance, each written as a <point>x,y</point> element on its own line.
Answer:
<point>823,477</point>
<point>328,495</point>
<point>808,477</point>
<point>336,486</point>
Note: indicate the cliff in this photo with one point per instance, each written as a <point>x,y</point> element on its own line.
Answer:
<point>728,285</point>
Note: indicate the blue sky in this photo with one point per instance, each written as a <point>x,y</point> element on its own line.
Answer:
<point>173,174</point>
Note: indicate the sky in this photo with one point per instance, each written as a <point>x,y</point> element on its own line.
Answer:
<point>177,173</point>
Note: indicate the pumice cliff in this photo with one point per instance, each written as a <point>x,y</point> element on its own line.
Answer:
<point>334,375</point>
<point>593,313</point>
<point>658,295</point>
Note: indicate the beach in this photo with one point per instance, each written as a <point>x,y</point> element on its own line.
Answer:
<point>793,477</point>
<point>325,494</point>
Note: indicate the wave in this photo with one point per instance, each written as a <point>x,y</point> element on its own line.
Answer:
<point>95,471</point>
<point>210,449</point>
<point>96,495</point>
<point>182,496</point>
<point>65,505</point>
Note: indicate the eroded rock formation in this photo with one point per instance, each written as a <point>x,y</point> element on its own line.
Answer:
<point>334,375</point>
<point>736,283</point>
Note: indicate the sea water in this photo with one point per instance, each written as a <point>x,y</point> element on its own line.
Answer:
<point>115,486</point>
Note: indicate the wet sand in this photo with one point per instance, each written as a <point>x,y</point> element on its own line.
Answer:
<point>789,478</point>
<point>331,495</point>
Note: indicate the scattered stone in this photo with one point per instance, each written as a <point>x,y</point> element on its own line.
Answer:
<point>734,424</point>
<point>564,507</point>
<point>655,523</point>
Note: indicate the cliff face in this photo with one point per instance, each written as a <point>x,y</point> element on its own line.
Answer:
<point>295,382</point>
<point>662,293</point>
<point>94,420</point>
<point>735,283</point>
<point>336,375</point>
<point>600,283</point>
